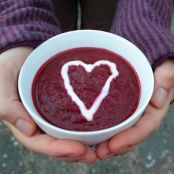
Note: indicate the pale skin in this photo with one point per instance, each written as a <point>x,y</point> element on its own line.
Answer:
<point>151,119</point>
<point>12,110</point>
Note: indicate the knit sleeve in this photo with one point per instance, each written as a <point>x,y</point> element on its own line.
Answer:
<point>146,23</point>
<point>26,23</point>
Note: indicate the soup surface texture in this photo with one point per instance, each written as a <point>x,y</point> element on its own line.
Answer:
<point>57,107</point>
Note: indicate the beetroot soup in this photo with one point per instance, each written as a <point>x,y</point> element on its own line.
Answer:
<point>86,89</point>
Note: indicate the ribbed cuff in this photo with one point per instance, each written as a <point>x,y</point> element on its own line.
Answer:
<point>26,23</point>
<point>15,36</point>
<point>147,25</point>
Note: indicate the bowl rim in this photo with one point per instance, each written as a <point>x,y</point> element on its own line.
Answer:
<point>39,120</point>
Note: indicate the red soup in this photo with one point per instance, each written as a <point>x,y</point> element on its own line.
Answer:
<point>57,107</point>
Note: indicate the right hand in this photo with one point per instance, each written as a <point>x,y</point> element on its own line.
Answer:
<point>20,123</point>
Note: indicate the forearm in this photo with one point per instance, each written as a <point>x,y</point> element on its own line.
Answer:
<point>147,25</point>
<point>26,23</point>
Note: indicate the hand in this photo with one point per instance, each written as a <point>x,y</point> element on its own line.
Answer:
<point>21,124</point>
<point>151,119</point>
<point>11,109</point>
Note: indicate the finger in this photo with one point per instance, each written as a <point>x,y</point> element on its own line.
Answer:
<point>148,123</point>
<point>164,83</point>
<point>14,112</point>
<point>44,144</point>
<point>89,156</point>
<point>102,151</point>
<point>124,150</point>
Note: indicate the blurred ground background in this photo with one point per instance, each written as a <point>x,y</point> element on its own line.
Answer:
<point>154,156</point>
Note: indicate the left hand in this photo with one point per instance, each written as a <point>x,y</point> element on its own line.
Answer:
<point>151,119</point>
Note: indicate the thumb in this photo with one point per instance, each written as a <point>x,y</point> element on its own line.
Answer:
<point>15,114</point>
<point>11,109</point>
<point>159,96</point>
<point>164,82</point>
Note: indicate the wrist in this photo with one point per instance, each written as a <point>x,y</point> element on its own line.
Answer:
<point>15,57</point>
<point>167,67</point>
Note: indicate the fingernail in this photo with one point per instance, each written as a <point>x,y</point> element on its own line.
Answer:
<point>161,96</point>
<point>24,126</point>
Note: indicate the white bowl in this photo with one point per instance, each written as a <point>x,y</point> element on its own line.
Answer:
<point>85,38</point>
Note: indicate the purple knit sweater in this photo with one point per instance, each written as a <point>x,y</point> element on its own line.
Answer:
<point>26,23</point>
<point>146,23</point>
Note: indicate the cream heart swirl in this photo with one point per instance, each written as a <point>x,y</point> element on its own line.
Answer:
<point>88,113</point>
